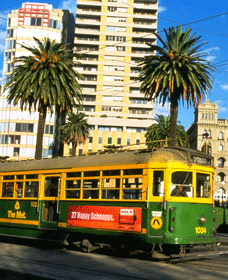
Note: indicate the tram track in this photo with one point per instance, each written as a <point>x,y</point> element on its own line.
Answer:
<point>207,265</point>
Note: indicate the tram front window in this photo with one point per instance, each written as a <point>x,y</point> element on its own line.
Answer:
<point>181,184</point>
<point>203,188</point>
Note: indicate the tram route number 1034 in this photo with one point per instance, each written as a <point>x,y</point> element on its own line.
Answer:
<point>201,230</point>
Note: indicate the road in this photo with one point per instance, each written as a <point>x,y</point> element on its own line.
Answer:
<point>19,259</point>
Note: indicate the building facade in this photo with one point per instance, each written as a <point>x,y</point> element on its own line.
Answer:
<point>111,37</point>
<point>18,129</point>
<point>210,134</point>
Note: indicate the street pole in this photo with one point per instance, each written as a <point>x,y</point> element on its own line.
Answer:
<point>223,191</point>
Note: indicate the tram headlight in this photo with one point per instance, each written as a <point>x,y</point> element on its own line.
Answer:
<point>203,220</point>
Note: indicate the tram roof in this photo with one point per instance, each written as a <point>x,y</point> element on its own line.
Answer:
<point>162,155</point>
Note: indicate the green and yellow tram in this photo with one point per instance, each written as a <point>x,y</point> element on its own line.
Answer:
<point>148,200</point>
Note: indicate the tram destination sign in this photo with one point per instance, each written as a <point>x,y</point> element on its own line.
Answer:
<point>200,160</point>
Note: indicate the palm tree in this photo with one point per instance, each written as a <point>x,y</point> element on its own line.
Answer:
<point>177,71</point>
<point>159,132</point>
<point>45,80</point>
<point>75,131</point>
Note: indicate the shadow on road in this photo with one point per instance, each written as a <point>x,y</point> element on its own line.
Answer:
<point>12,275</point>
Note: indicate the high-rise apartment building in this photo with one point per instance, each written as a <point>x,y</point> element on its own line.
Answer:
<point>111,37</point>
<point>18,129</point>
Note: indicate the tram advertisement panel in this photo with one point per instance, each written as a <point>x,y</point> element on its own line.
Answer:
<point>105,217</point>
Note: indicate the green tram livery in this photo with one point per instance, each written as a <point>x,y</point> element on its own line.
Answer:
<point>157,200</point>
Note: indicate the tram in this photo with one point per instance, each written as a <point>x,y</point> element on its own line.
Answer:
<point>137,199</point>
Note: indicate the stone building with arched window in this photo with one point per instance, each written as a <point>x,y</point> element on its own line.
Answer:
<point>210,134</point>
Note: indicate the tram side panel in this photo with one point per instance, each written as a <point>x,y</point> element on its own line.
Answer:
<point>19,217</point>
<point>190,223</point>
<point>105,222</point>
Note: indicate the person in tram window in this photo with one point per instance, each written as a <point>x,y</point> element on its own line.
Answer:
<point>179,191</point>
<point>184,192</point>
<point>176,191</point>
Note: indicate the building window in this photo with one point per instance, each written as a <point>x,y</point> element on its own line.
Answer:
<point>137,141</point>
<point>205,134</point>
<point>221,177</point>
<point>128,141</point>
<point>220,148</point>
<point>36,21</point>
<point>220,135</point>
<point>90,139</point>
<point>112,9</point>
<point>16,151</point>
<point>116,38</point>
<point>118,141</point>
<point>80,151</point>
<point>14,139</point>
<point>109,140</point>
<point>202,115</point>
<point>101,128</point>
<point>206,148</point>
<point>221,162</point>
<point>24,127</point>
<point>49,129</point>
<point>9,33</point>
<point>3,139</point>
<point>99,140</point>
<point>209,133</point>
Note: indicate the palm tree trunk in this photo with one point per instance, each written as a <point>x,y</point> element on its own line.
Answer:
<point>59,121</point>
<point>40,133</point>
<point>74,147</point>
<point>173,124</point>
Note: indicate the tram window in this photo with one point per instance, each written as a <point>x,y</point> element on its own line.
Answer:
<point>132,188</point>
<point>110,188</point>
<point>31,188</point>
<point>91,173</point>
<point>9,177</point>
<point>7,189</point>
<point>91,189</point>
<point>20,177</point>
<point>51,187</point>
<point>133,172</point>
<point>158,183</point>
<point>31,176</point>
<point>73,174</point>
<point>203,185</point>
<point>19,189</point>
<point>181,184</point>
<point>73,189</point>
<point>111,173</point>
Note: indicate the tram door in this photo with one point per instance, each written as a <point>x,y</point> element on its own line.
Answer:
<point>49,213</point>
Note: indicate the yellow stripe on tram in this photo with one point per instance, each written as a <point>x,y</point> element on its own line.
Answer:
<point>16,221</point>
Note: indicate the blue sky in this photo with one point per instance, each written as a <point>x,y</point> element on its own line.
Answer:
<point>171,13</point>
